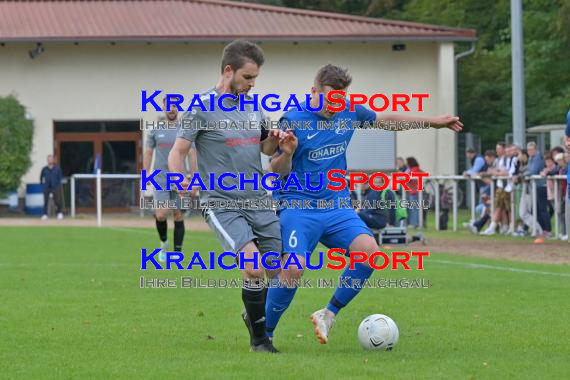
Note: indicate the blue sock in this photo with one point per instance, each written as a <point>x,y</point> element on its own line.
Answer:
<point>278,300</point>
<point>344,294</point>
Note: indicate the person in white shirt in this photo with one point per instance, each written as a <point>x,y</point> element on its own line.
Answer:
<point>506,165</point>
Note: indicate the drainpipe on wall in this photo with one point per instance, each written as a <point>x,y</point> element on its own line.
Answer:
<point>457,58</point>
<point>456,105</point>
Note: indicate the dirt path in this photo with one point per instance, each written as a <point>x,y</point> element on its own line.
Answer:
<point>553,252</point>
<point>195,224</point>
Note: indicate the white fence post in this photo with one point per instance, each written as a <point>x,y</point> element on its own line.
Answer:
<point>454,205</point>
<point>421,210</point>
<point>98,191</point>
<point>492,199</point>
<point>534,206</point>
<point>72,195</point>
<point>437,205</point>
<point>513,208</point>
<point>473,197</point>
<point>98,194</point>
<point>556,209</point>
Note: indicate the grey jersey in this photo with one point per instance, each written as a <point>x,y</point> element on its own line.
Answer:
<point>226,150</point>
<point>162,141</point>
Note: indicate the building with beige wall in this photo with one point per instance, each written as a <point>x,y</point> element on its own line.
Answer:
<point>94,69</point>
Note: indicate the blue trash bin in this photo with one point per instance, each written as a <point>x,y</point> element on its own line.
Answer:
<point>34,199</point>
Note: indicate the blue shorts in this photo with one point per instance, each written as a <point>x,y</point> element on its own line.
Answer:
<point>302,229</point>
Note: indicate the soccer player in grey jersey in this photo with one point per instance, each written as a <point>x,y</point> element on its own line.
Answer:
<point>159,142</point>
<point>237,151</point>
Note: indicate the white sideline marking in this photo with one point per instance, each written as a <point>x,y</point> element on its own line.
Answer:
<point>506,269</point>
<point>466,265</point>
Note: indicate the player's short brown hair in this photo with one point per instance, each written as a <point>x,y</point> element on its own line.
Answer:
<point>173,98</point>
<point>334,76</point>
<point>239,52</point>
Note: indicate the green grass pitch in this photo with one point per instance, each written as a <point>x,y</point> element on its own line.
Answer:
<point>71,307</point>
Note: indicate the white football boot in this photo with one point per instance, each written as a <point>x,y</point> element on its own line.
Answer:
<point>162,254</point>
<point>323,321</point>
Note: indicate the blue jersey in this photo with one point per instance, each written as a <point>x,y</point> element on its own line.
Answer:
<point>320,150</point>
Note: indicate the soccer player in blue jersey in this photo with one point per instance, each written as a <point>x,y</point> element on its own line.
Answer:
<point>319,151</point>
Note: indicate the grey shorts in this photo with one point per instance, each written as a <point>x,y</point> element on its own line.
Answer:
<point>166,195</point>
<point>236,228</point>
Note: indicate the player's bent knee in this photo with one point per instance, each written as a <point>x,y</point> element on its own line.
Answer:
<point>250,272</point>
<point>293,267</point>
<point>292,273</point>
<point>272,273</point>
<point>178,216</point>
<point>160,215</point>
<point>366,244</point>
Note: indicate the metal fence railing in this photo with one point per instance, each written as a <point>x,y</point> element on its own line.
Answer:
<point>98,197</point>
<point>431,189</point>
<point>527,181</point>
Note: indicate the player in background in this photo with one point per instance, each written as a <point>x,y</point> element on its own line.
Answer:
<point>302,229</point>
<point>253,231</point>
<point>159,142</point>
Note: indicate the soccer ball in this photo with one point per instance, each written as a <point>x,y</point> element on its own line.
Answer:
<point>378,332</point>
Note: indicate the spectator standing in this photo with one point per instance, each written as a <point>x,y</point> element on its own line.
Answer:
<point>477,161</point>
<point>567,146</point>
<point>401,165</point>
<point>478,166</point>
<point>550,168</point>
<point>413,213</point>
<point>503,167</point>
<point>525,202</point>
<point>50,178</point>
<point>535,166</point>
<point>562,164</point>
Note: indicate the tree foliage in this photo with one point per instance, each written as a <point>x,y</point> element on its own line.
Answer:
<point>16,133</point>
<point>485,77</point>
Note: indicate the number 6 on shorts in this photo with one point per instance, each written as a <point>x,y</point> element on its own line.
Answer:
<point>292,239</point>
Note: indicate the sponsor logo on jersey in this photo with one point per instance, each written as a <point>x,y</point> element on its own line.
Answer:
<point>242,141</point>
<point>328,151</point>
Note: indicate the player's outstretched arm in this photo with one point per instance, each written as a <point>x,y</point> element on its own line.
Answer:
<point>281,163</point>
<point>193,165</point>
<point>437,122</point>
<point>177,154</point>
<point>176,160</point>
<point>192,160</point>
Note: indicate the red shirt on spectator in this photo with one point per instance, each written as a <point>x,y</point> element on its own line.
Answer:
<point>413,183</point>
